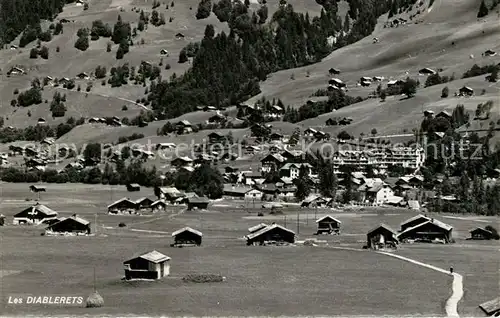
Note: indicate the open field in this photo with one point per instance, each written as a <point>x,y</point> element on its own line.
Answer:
<point>323,281</point>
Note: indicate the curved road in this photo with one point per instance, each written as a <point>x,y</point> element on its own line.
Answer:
<point>457,286</point>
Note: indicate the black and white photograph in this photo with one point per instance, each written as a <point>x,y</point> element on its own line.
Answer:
<point>250,158</point>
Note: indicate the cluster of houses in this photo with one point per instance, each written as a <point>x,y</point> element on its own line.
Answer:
<point>166,196</point>
<point>39,214</point>
<point>419,228</point>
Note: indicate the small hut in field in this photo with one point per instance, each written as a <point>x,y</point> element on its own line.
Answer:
<point>187,237</point>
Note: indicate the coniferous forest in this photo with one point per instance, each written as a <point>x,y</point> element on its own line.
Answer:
<point>227,68</point>
<point>17,15</point>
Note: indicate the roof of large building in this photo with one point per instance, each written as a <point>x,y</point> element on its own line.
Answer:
<point>438,223</point>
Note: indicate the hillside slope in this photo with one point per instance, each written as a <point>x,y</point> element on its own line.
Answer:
<point>446,35</point>
<point>69,61</point>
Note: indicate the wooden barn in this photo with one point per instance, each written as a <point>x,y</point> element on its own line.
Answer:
<point>133,187</point>
<point>200,203</point>
<point>73,224</point>
<point>35,214</point>
<point>158,205</point>
<point>124,205</point>
<point>187,236</point>
<point>481,234</point>
<point>328,224</point>
<point>416,220</point>
<point>151,265</point>
<point>37,188</point>
<point>143,203</point>
<point>381,236</point>
<point>428,231</point>
<point>491,307</point>
<point>272,234</point>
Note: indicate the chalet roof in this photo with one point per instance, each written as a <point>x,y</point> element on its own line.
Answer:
<point>138,201</point>
<point>444,113</point>
<point>311,130</point>
<point>439,224</point>
<point>120,201</point>
<point>169,190</point>
<point>480,229</point>
<point>187,229</point>
<point>328,217</point>
<point>216,134</point>
<point>257,227</point>
<point>296,165</point>
<point>275,156</point>
<point>252,174</point>
<point>394,199</point>
<point>184,122</point>
<point>236,189</point>
<point>267,229</point>
<point>466,88</point>
<point>416,217</point>
<point>153,256</point>
<point>158,202</point>
<point>427,70</point>
<point>384,226</point>
<point>74,218</point>
<point>41,209</point>
<point>37,187</point>
<point>491,306</point>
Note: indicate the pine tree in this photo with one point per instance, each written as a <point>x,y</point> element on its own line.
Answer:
<point>483,10</point>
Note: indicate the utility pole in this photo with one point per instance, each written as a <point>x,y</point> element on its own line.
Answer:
<point>95,289</point>
<point>285,219</point>
<point>298,226</point>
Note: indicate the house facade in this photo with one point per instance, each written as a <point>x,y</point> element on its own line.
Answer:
<point>151,265</point>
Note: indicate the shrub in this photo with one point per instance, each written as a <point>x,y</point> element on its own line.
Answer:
<point>203,278</point>
<point>82,43</point>
<point>122,224</point>
<point>445,92</point>
<point>204,8</point>
<point>58,49</point>
<point>33,53</point>
<point>183,56</point>
<point>44,52</point>
<point>124,108</point>
<point>493,230</point>
<point>167,66</point>
<point>16,91</point>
